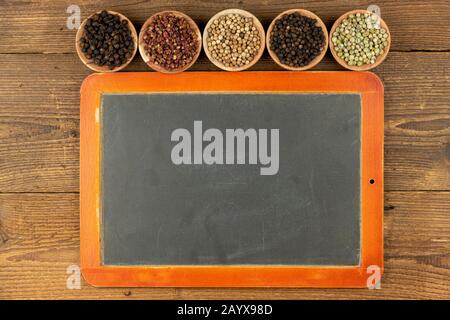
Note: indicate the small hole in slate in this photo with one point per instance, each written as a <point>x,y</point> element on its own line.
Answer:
<point>372,181</point>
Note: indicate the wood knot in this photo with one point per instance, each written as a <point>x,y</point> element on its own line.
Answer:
<point>127,293</point>
<point>73,133</point>
<point>3,236</point>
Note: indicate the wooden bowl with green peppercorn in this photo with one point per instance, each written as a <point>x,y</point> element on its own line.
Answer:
<point>360,40</point>
<point>281,51</point>
<point>88,59</point>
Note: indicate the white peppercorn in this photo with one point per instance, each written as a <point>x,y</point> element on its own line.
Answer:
<point>233,40</point>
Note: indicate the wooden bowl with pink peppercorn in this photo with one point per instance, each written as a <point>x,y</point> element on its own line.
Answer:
<point>170,42</point>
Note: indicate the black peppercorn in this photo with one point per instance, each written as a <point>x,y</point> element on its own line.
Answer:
<point>105,40</point>
<point>296,40</point>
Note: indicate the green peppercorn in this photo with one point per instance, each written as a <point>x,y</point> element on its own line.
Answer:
<point>358,40</point>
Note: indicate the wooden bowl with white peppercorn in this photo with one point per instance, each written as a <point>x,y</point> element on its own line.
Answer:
<point>319,23</point>
<point>89,62</point>
<point>364,67</point>
<point>255,53</point>
<point>144,54</point>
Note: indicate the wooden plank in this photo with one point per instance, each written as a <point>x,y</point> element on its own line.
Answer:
<point>417,121</point>
<point>39,116</point>
<point>39,240</point>
<point>40,26</point>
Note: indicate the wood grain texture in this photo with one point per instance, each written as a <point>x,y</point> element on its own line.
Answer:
<point>39,239</point>
<point>39,145</point>
<point>40,26</point>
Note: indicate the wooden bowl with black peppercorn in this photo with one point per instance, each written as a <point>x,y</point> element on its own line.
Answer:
<point>110,59</point>
<point>176,57</point>
<point>282,54</point>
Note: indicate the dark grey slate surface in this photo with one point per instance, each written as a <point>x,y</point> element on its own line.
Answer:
<point>154,212</point>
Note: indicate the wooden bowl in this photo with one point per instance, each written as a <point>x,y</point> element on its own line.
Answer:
<point>319,23</point>
<point>256,23</point>
<point>144,54</point>
<point>366,67</point>
<point>89,63</point>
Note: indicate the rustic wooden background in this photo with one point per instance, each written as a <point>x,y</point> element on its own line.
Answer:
<point>40,77</point>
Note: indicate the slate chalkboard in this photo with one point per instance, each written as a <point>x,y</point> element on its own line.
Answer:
<point>157,212</point>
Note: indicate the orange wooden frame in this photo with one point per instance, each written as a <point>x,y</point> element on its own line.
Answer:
<point>365,83</point>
